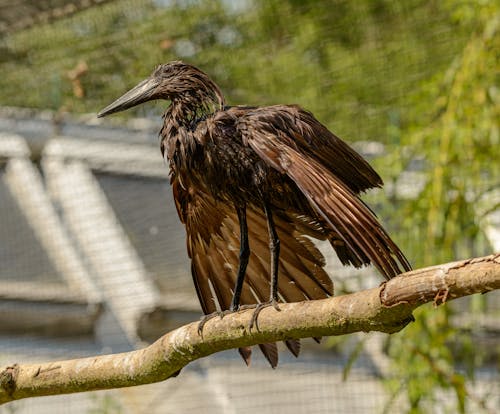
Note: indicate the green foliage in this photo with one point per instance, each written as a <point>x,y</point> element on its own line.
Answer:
<point>457,136</point>
<point>345,61</point>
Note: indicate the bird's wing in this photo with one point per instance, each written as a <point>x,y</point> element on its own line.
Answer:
<point>213,243</point>
<point>300,129</point>
<point>284,138</point>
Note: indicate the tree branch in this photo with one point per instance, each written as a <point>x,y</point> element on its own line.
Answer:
<point>387,308</point>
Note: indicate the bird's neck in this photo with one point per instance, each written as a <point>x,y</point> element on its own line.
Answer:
<point>179,124</point>
<point>183,114</point>
<point>182,117</point>
<point>190,107</point>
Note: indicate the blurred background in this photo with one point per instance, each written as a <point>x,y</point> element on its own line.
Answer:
<point>92,254</point>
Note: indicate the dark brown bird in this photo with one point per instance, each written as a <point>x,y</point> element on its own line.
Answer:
<point>250,184</point>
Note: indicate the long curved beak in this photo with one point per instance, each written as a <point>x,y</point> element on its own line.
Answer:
<point>141,93</point>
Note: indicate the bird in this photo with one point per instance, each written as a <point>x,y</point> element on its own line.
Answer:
<point>254,186</point>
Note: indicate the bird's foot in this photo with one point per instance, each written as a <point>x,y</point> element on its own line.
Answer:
<point>258,309</point>
<point>205,318</point>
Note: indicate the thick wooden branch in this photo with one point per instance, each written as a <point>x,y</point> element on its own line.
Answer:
<point>387,308</point>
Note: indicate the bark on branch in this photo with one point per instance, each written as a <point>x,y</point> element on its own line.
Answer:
<point>387,308</point>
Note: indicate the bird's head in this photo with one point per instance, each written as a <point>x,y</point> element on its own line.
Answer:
<point>175,81</point>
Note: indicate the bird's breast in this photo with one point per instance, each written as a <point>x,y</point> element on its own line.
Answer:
<point>214,159</point>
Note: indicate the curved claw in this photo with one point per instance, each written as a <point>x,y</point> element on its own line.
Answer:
<point>205,318</point>
<point>258,309</point>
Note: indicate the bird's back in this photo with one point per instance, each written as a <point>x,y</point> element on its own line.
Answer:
<point>232,169</point>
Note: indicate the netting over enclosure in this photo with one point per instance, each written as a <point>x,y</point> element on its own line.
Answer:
<point>93,257</point>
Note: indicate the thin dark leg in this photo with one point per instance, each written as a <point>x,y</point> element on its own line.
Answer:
<point>274,248</point>
<point>244,256</point>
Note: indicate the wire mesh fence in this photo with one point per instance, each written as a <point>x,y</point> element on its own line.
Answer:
<point>92,255</point>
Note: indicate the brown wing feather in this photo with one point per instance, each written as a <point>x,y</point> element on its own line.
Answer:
<point>278,135</point>
<point>213,245</point>
<point>301,130</point>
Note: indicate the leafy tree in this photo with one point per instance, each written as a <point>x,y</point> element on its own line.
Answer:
<point>457,137</point>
